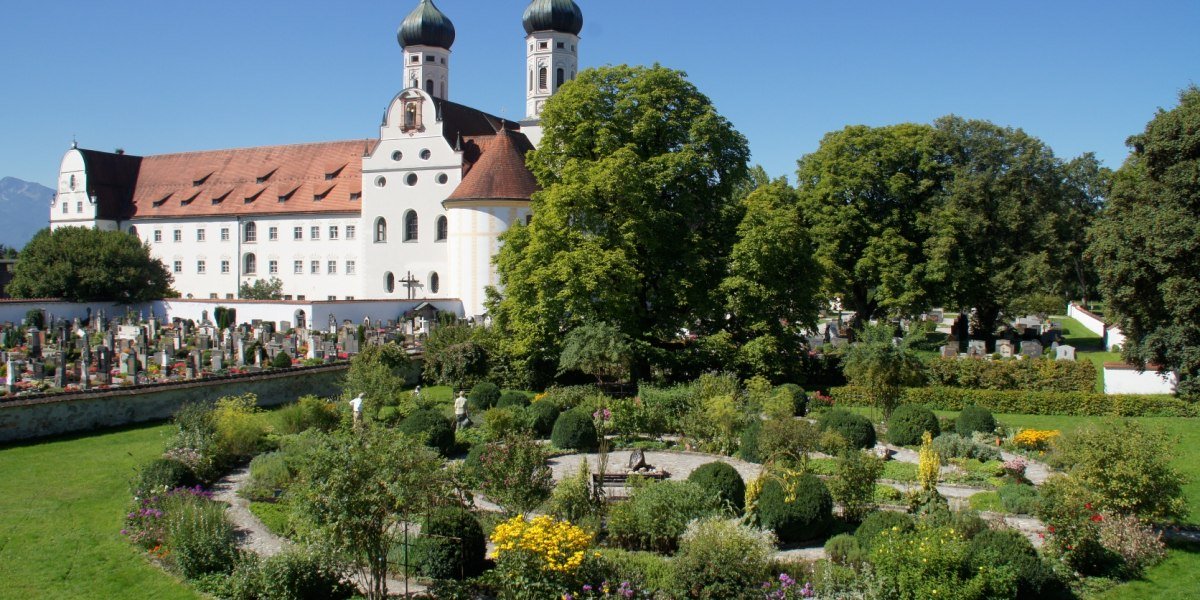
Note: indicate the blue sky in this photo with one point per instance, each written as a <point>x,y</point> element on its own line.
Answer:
<point>165,76</point>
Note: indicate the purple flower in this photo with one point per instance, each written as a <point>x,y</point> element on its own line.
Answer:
<point>587,588</point>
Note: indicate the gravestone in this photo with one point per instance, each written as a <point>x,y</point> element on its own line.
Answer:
<point>949,351</point>
<point>977,348</point>
<point>216,360</point>
<point>203,342</point>
<point>128,332</point>
<point>1005,348</point>
<point>39,371</point>
<point>1065,352</point>
<point>1031,349</point>
<point>351,345</point>
<point>10,376</point>
<point>285,326</point>
<point>60,372</point>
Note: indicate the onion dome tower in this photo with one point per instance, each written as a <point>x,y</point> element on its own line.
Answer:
<point>552,44</point>
<point>426,36</point>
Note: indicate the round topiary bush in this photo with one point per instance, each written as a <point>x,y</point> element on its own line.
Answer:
<point>856,429</point>
<point>484,395</point>
<point>843,549</point>
<point>798,396</point>
<point>281,361</point>
<point>574,430</point>
<point>516,399</point>
<point>435,428</point>
<point>909,422</point>
<point>723,481</point>
<point>300,574</point>
<point>972,419</point>
<point>541,417</point>
<point>806,515</point>
<point>164,473</point>
<point>451,546</point>
<point>878,522</point>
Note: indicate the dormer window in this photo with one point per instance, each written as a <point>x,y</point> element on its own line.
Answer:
<point>200,179</point>
<point>265,177</point>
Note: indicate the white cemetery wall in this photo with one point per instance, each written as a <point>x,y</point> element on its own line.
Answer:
<point>1124,379</point>
<point>1114,339</point>
<point>379,310</point>
<point>14,310</point>
<point>1090,321</point>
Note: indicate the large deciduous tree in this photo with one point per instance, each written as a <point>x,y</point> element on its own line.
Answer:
<point>1146,243</point>
<point>996,235</point>
<point>864,191</point>
<point>635,218</point>
<point>773,286</point>
<point>83,265</point>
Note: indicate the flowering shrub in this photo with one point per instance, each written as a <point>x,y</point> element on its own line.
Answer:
<point>607,590</point>
<point>721,558</point>
<point>145,525</point>
<point>785,588</point>
<point>1137,543</point>
<point>513,472</point>
<point>928,563</point>
<point>929,463</point>
<point>1015,469</point>
<point>1035,439</point>
<point>542,550</point>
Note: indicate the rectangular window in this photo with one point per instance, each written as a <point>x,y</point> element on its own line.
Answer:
<point>350,267</point>
<point>350,231</point>
<point>315,232</point>
<point>297,233</point>
<point>333,232</point>
<point>212,296</point>
<point>331,298</point>
<point>200,235</point>
<point>273,234</point>
<point>224,234</point>
<point>349,297</point>
<point>79,207</point>
<point>298,267</point>
<point>201,268</point>
<point>543,45</point>
<point>158,236</point>
<point>414,59</point>
<point>225,267</point>
<point>178,235</point>
<point>287,296</point>
<point>179,266</point>
<point>300,297</point>
<point>561,45</point>
<point>273,267</point>
<point>65,205</point>
<point>430,59</point>
<point>315,267</point>
<point>332,267</point>
<point>229,296</point>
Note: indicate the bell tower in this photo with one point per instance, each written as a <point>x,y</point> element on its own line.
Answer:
<point>552,50</point>
<point>426,36</point>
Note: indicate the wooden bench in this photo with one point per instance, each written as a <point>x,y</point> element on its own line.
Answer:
<point>621,479</point>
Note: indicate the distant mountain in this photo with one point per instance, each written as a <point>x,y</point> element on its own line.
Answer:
<point>24,209</point>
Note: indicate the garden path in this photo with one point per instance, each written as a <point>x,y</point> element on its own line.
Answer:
<point>254,535</point>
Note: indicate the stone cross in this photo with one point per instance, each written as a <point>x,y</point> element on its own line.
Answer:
<point>411,284</point>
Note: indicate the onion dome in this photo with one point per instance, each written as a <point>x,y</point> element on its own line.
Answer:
<point>426,26</point>
<point>553,15</point>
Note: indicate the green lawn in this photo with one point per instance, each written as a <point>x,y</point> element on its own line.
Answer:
<point>1088,346</point>
<point>61,509</point>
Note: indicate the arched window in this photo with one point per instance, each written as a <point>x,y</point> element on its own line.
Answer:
<point>429,86</point>
<point>542,78</point>
<point>435,283</point>
<point>250,264</point>
<point>443,229</point>
<point>389,282</point>
<point>380,230</point>
<point>560,78</point>
<point>251,232</point>
<point>410,226</point>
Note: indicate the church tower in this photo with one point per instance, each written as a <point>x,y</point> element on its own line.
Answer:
<point>552,50</point>
<point>426,36</point>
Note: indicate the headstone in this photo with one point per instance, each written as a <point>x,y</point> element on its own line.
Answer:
<point>216,360</point>
<point>128,332</point>
<point>977,348</point>
<point>39,371</point>
<point>351,345</point>
<point>241,351</point>
<point>10,376</point>
<point>332,325</point>
<point>949,351</point>
<point>285,326</point>
<point>1031,349</point>
<point>1005,348</point>
<point>131,364</point>
<point>60,372</point>
<point>164,360</point>
<point>1065,352</point>
<point>203,342</point>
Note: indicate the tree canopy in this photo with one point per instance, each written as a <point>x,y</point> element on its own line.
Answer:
<point>1146,242</point>
<point>83,265</point>
<point>261,289</point>
<point>635,217</point>
<point>863,192</point>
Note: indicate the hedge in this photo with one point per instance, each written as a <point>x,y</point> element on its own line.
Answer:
<point>1083,404</point>
<point>1040,374</point>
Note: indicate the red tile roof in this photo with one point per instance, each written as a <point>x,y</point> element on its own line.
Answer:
<point>244,181</point>
<point>494,168</point>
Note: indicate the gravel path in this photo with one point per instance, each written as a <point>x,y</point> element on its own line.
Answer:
<point>255,537</point>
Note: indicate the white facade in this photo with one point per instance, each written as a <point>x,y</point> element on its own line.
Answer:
<point>1124,379</point>
<point>404,240</point>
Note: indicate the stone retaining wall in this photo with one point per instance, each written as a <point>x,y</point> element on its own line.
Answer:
<point>87,411</point>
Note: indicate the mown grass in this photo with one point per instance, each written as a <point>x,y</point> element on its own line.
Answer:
<point>1088,346</point>
<point>61,508</point>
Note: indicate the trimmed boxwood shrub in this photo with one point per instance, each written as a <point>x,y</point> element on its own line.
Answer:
<point>164,472</point>
<point>431,424</point>
<point>857,429</point>
<point>516,399</point>
<point>972,419</point>
<point>1007,548</point>
<point>302,575</point>
<point>724,482</point>
<point>798,396</point>
<point>484,395</point>
<point>657,513</point>
<point>281,361</point>
<point>909,422</point>
<point>806,516</point>
<point>574,430</point>
<point>1040,374</point>
<point>541,417</point>
<point>451,546</point>
<point>843,549</point>
<point>748,445</point>
<point>881,521</point>
<point>1082,404</point>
